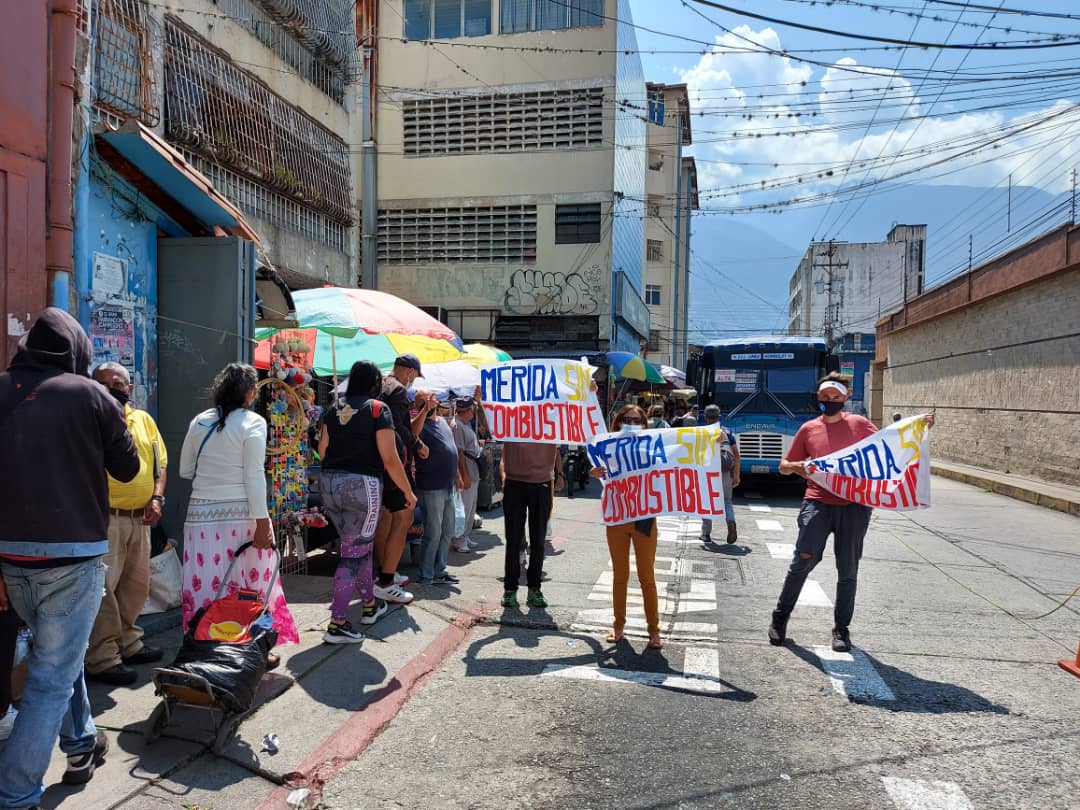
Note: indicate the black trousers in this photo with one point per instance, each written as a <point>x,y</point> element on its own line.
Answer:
<point>9,631</point>
<point>532,503</point>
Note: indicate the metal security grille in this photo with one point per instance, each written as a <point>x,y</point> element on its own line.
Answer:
<point>761,445</point>
<point>123,83</point>
<point>317,37</point>
<point>226,114</point>
<point>497,233</point>
<point>505,122</point>
<point>261,202</point>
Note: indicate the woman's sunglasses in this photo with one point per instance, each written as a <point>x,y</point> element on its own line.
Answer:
<point>631,420</point>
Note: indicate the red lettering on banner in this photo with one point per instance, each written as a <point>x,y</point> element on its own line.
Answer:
<point>712,480</point>
<point>576,432</point>
<point>595,422</point>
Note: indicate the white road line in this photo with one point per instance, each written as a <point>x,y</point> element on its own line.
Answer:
<point>924,794</point>
<point>608,675</point>
<point>813,596</point>
<point>770,525</point>
<point>760,507</point>
<point>702,662</point>
<point>604,617</point>
<point>637,629</point>
<point>853,675</point>
<point>781,551</point>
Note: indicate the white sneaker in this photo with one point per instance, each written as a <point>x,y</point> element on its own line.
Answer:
<point>7,722</point>
<point>393,593</point>
<point>401,579</point>
<point>471,544</point>
<point>461,548</point>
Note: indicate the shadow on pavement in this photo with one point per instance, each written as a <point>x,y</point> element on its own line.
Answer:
<point>913,694</point>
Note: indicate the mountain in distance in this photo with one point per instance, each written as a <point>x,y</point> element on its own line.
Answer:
<point>742,264</point>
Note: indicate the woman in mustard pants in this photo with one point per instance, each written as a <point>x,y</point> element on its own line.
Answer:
<point>641,535</point>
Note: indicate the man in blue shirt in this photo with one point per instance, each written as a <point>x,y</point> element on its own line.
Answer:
<point>437,476</point>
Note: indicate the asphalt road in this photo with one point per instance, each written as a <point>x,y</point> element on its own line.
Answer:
<point>952,698</point>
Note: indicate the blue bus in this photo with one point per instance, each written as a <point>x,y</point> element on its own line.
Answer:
<point>766,388</point>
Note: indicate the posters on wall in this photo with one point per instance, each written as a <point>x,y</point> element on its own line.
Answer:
<point>541,401</point>
<point>112,335</point>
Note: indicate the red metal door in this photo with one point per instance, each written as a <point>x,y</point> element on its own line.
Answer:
<point>22,246</point>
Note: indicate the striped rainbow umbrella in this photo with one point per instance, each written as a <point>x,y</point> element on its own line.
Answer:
<point>633,367</point>
<point>335,355</point>
<point>480,354</point>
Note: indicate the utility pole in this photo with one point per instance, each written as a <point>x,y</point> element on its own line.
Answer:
<point>831,311</point>
<point>678,230</point>
<point>684,322</point>
<point>367,33</point>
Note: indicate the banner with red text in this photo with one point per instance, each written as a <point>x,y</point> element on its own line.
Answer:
<point>541,401</point>
<point>889,470</point>
<point>650,473</point>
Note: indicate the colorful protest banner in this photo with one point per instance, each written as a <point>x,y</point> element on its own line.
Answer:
<point>674,471</point>
<point>541,401</point>
<point>889,470</point>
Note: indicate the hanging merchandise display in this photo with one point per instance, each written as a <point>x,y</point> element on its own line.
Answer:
<point>289,402</point>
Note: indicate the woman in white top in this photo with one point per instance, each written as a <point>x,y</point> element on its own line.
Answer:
<point>223,454</point>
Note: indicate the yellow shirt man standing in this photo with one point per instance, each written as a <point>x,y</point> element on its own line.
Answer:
<point>116,641</point>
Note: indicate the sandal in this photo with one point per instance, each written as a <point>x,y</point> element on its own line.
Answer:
<point>655,643</point>
<point>616,634</point>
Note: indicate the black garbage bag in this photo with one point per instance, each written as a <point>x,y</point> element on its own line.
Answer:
<point>232,670</point>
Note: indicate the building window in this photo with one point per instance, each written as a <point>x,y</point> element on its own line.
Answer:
<point>654,250</point>
<point>457,235</point>
<point>654,340</point>
<point>447,19</point>
<point>504,122</point>
<point>122,59</point>
<point>654,207</point>
<point>652,295</point>
<point>577,224</point>
<point>549,15</point>
<point>217,109</point>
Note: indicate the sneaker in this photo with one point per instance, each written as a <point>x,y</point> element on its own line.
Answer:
<point>372,613</point>
<point>120,675</point>
<point>80,767</point>
<point>342,634</point>
<point>471,544</point>
<point>393,593</point>
<point>147,655</point>
<point>461,548</point>
<point>509,599</point>
<point>705,538</point>
<point>447,579</point>
<point>732,532</point>
<point>7,722</point>
<point>536,598</point>
<point>401,580</point>
<point>778,628</point>
<point>841,639</point>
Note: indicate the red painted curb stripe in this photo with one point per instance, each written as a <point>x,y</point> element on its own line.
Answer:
<point>358,732</point>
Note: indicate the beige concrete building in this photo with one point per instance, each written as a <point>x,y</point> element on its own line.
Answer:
<point>511,169</point>
<point>669,200</point>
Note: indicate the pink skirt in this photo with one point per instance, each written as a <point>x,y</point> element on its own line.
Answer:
<point>212,533</point>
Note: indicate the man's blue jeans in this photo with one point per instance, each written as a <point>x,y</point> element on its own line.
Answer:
<point>438,530</point>
<point>59,605</point>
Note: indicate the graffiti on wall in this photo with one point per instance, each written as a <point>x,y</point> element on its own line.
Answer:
<point>536,292</point>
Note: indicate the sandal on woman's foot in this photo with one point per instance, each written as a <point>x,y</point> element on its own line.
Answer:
<point>654,643</point>
<point>613,636</point>
<point>273,660</point>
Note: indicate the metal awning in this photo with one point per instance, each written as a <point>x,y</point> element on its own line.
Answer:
<point>166,168</point>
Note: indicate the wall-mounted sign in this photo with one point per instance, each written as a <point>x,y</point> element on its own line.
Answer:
<point>110,275</point>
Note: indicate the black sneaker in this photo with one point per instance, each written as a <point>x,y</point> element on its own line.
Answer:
<point>372,613</point>
<point>120,675</point>
<point>447,579</point>
<point>147,655</point>
<point>841,639</point>
<point>342,634</point>
<point>778,628</point>
<point>80,767</point>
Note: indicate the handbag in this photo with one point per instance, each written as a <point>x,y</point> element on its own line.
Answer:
<point>483,464</point>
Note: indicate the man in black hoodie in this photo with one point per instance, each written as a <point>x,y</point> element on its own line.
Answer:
<point>59,433</point>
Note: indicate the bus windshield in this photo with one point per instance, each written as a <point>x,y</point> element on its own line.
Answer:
<point>764,382</point>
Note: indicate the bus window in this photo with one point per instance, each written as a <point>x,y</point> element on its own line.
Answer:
<point>791,380</point>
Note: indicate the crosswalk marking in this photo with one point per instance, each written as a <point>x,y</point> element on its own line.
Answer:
<point>760,507</point>
<point>603,617</point>
<point>923,794</point>
<point>781,551</point>
<point>813,595</point>
<point>853,675</point>
<point>702,662</point>
<point>770,525</point>
<point>609,675</point>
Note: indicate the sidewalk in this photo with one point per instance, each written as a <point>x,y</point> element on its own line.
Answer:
<point>1061,497</point>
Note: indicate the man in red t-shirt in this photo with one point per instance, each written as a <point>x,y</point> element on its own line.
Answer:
<point>823,513</point>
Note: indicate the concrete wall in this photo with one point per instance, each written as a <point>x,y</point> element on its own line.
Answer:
<point>1003,376</point>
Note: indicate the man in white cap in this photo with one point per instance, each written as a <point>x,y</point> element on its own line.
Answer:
<point>824,513</point>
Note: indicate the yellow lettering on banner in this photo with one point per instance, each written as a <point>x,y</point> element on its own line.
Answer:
<point>918,427</point>
<point>909,444</point>
<point>576,379</point>
<point>686,440</point>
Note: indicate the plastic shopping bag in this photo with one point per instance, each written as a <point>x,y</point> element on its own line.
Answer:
<point>459,514</point>
<point>166,575</point>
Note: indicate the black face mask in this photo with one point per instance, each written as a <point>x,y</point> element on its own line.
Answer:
<point>831,408</point>
<point>120,396</point>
